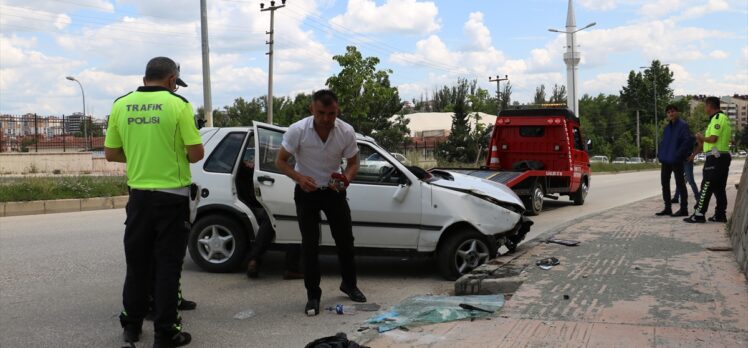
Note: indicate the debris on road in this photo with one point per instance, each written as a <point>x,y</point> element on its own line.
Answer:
<point>566,242</point>
<point>367,307</point>
<point>719,248</point>
<point>246,314</point>
<point>419,310</point>
<point>547,263</point>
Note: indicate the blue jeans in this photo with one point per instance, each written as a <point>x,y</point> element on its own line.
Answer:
<point>688,172</point>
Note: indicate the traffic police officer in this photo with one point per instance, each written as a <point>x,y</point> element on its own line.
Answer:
<point>717,149</point>
<point>153,130</point>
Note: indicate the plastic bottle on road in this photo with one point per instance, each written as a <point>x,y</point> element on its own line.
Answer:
<point>342,309</point>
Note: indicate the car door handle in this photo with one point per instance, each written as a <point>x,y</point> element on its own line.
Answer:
<point>263,179</point>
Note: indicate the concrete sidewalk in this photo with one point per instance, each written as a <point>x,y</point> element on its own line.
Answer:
<point>636,280</point>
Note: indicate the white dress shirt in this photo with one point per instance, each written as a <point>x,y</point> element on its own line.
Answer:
<point>315,158</point>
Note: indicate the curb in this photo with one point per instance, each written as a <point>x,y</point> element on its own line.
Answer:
<point>61,205</point>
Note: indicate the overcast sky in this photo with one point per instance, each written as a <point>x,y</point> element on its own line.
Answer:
<point>106,44</point>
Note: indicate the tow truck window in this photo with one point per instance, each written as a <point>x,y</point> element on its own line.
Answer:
<point>532,131</point>
<point>578,139</point>
<point>224,157</point>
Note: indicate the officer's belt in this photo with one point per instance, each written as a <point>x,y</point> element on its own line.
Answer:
<point>182,191</point>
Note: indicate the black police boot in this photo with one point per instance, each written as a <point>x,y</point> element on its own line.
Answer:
<point>186,305</point>
<point>695,219</point>
<point>175,340</point>
<point>681,212</point>
<point>665,212</point>
<point>131,329</point>
<point>718,218</point>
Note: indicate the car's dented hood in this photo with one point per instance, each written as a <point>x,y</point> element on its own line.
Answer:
<point>477,186</point>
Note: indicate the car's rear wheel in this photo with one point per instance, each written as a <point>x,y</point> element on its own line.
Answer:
<point>462,252</point>
<point>218,244</point>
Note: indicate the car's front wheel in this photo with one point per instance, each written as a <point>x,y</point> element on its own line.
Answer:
<point>218,244</point>
<point>462,252</point>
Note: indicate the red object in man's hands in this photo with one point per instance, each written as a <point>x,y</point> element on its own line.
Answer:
<point>338,179</point>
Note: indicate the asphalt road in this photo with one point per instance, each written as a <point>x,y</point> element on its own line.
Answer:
<point>61,279</point>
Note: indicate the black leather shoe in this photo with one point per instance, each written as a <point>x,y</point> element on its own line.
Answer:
<point>186,305</point>
<point>353,293</point>
<point>664,212</point>
<point>312,307</point>
<point>716,218</point>
<point>177,340</point>
<point>131,333</point>
<point>674,200</point>
<point>680,213</point>
<point>695,219</point>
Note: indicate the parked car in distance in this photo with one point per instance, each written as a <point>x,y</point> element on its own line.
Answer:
<point>635,160</point>
<point>741,153</point>
<point>599,159</point>
<point>401,158</point>
<point>700,157</point>
<point>620,160</point>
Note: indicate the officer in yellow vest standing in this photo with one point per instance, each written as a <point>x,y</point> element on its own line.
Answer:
<point>716,142</point>
<point>153,130</point>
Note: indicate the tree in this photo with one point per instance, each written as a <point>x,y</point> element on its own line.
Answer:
<point>558,95</point>
<point>539,95</point>
<point>366,98</point>
<point>743,138</point>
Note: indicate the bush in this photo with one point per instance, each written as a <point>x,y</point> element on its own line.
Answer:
<point>44,188</point>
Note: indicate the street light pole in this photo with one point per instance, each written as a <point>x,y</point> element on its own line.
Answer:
<point>654,91</point>
<point>85,133</point>
<point>573,61</point>
<point>272,9</point>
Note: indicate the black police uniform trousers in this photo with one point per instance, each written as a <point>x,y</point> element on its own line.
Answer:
<point>680,183</point>
<point>335,206</point>
<point>155,243</point>
<point>714,181</point>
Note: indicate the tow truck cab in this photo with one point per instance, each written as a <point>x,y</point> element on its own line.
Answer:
<point>540,153</point>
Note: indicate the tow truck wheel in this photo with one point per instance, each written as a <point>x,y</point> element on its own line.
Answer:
<point>217,244</point>
<point>462,252</point>
<point>579,196</point>
<point>534,202</point>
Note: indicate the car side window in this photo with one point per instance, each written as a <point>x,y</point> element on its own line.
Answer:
<point>374,168</point>
<point>223,158</point>
<point>578,139</point>
<point>269,145</point>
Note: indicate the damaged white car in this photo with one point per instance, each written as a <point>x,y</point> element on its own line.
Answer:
<point>460,220</point>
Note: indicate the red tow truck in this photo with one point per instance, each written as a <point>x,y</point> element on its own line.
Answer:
<point>538,153</point>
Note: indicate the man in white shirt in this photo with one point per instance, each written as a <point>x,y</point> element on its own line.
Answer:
<point>318,143</point>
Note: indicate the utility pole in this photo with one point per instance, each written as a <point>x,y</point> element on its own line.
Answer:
<point>498,80</point>
<point>207,103</point>
<point>272,9</point>
<point>638,147</point>
<point>654,91</point>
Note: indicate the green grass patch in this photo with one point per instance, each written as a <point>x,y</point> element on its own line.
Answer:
<point>44,188</point>
<point>614,168</point>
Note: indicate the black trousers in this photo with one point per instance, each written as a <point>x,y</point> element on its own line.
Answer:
<point>714,182</point>
<point>335,206</point>
<point>680,184</point>
<point>155,244</point>
<point>263,239</point>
